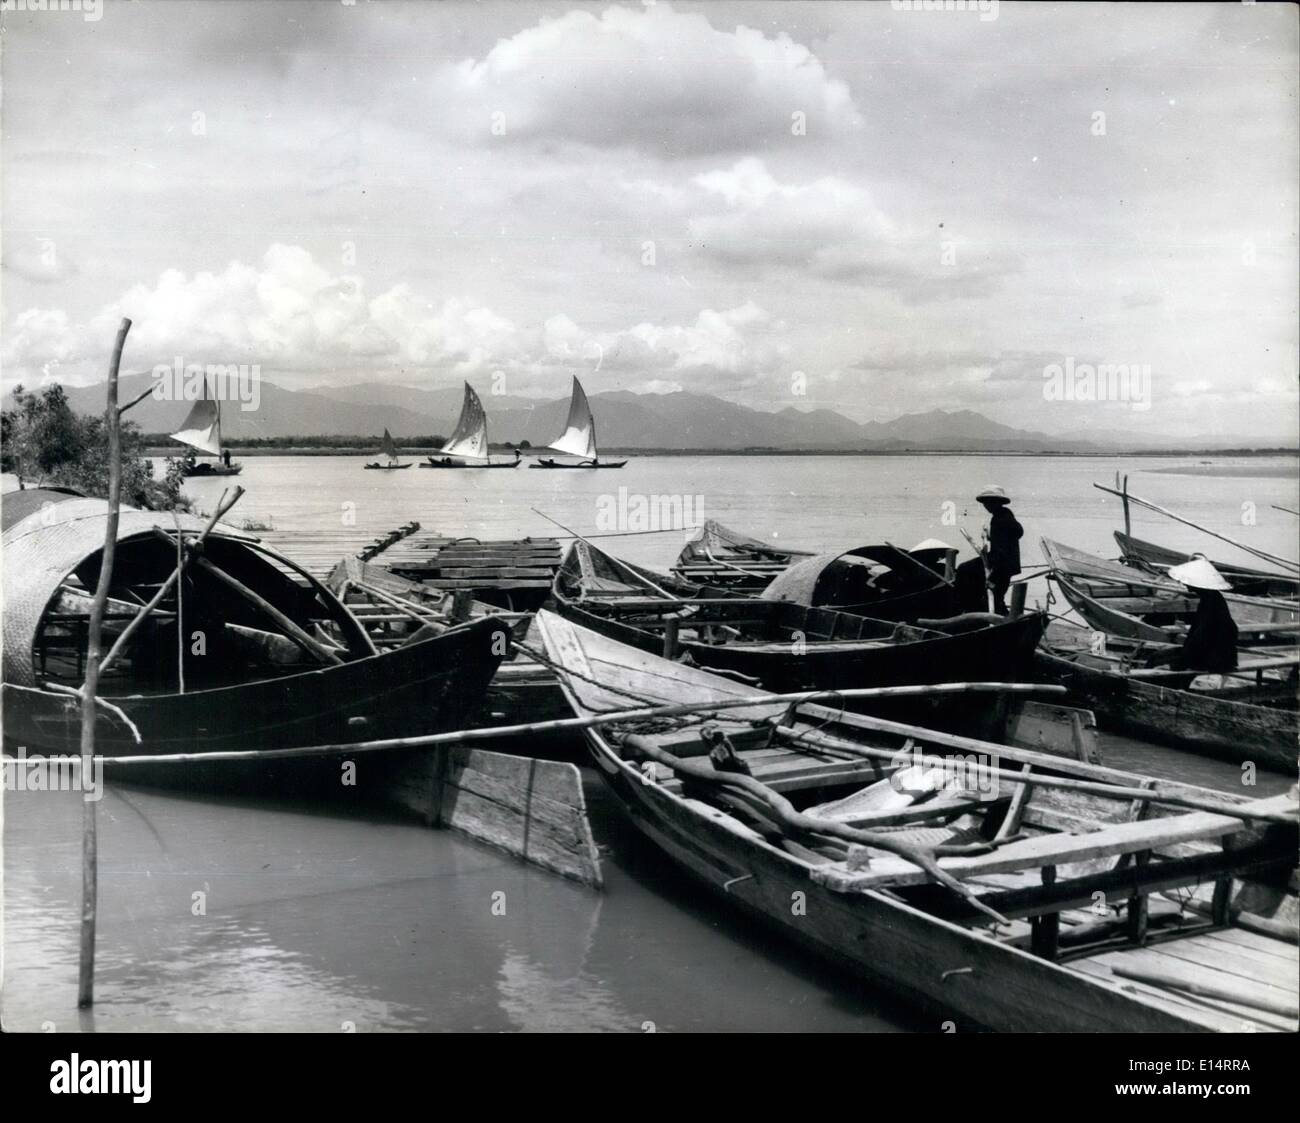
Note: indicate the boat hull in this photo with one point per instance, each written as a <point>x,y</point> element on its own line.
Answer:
<point>447,462</point>
<point>385,467</point>
<point>950,971</point>
<point>588,465</point>
<point>1244,580</point>
<point>1006,647</point>
<point>213,470</point>
<point>1231,730</point>
<point>425,687</point>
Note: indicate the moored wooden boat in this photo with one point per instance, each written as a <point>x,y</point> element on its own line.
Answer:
<point>881,581</point>
<point>1244,579</point>
<point>780,645</point>
<point>720,556</point>
<point>1249,722</point>
<point>266,656</point>
<point>1125,601</point>
<point>790,813</point>
<point>397,612</point>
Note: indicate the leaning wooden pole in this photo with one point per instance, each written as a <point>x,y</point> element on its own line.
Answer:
<point>89,688</point>
<point>1129,498</point>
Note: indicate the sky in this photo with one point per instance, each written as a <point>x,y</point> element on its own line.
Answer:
<point>853,206</point>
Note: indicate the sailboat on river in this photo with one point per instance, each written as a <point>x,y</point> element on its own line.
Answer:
<point>579,438</point>
<point>201,430</point>
<point>389,451</point>
<point>468,446</point>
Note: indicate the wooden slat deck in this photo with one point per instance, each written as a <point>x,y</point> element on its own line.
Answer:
<point>1256,965</point>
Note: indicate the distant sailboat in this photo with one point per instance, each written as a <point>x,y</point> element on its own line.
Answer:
<point>468,447</point>
<point>202,430</point>
<point>579,437</point>
<point>389,450</point>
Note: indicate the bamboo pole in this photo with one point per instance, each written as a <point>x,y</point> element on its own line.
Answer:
<point>990,748</point>
<point>157,598</point>
<point>591,721</point>
<point>1206,530</point>
<point>90,686</point>
<point>290,629</point>
<point>180,606</point>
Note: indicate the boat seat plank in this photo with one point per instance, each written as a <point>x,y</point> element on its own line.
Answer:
<point>1056,849</point>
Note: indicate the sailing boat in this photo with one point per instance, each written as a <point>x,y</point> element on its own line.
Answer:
<point>388,449</point>
<point>579,438</point>
<point>202,430</point>
<point>468,447</point>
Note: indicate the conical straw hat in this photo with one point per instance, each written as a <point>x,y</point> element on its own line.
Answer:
<point>1199,574</point>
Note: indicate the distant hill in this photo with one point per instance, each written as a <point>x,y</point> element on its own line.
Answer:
<point>680,420</point>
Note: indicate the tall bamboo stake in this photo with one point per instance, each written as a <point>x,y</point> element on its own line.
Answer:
<point>1205,529</point>
<point>94,640</point>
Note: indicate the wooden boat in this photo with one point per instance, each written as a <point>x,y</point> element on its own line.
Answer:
<point>578,438</point>
<point>201,430</point>
<point>880,581</point>
<point>1244,721</point>
<point>726,558</point>
<point>1124,601</point>
<point>468,444</point>
<point>397,612</point>
<point>1243,579</point>
<point>790,814</point>
<point>270,657</point>
<point>779,645</point>
<point>388,449</point>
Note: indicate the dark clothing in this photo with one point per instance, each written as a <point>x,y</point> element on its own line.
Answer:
<point>225,457</point>
<point>1003,556</point>
<point>1211,645</point>
<point>999,583</point>
<point>972,586</point>
<point>1004,543</point>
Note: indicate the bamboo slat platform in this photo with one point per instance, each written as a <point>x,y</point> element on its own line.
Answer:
<point>517,573</point>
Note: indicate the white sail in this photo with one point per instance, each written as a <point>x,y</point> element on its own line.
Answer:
<point>469,439</point>
<point>387,447</point>
<point>202,428</point>
<point>579,437</point>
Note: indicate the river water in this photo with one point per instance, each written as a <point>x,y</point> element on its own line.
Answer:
<point>238,914</point>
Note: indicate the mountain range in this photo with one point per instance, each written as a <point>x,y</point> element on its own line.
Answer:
<point>624,420</point>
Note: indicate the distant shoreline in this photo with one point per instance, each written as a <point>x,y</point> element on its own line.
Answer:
<point>324,450</point>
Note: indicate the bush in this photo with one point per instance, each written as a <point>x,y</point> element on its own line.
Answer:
<point>45,443</point>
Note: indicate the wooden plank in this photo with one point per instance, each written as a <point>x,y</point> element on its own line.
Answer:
<point>533,809</point>
<point>1051,849</point>
<point>1275,972</point>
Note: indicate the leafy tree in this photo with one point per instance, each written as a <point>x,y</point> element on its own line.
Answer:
<point>44,442</point>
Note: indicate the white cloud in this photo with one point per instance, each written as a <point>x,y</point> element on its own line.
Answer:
<point>664,81</point>
<point>833,229</point>
<point>294,317</point>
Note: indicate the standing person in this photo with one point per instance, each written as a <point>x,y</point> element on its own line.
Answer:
<point>1002,550</point>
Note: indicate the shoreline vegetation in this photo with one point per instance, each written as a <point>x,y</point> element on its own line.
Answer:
<point>362,446</point>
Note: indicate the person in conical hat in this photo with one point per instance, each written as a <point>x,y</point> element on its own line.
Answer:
<point>1002,552</point>
<point>937,556</point>
<point>1211,642</point>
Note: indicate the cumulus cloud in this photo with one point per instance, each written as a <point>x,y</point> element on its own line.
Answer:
<point>832,228</point>
<point>292,316</point>
<point>653,78</point>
